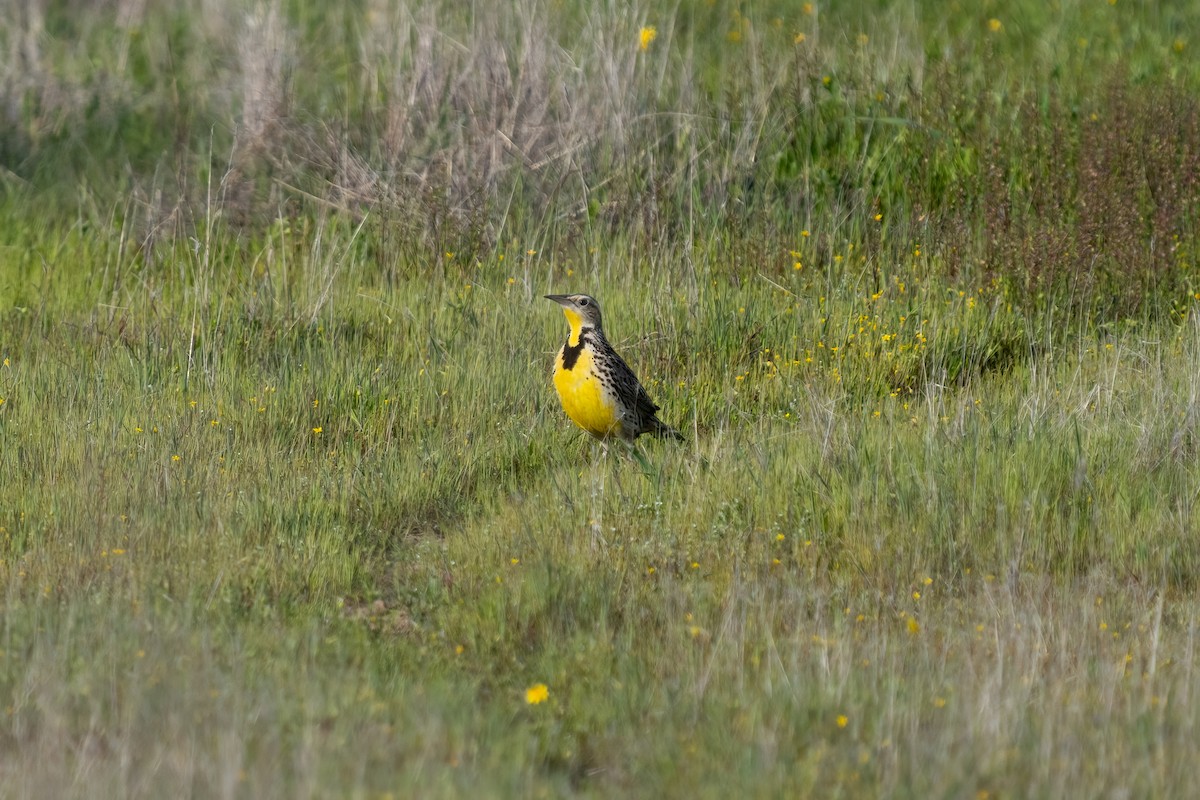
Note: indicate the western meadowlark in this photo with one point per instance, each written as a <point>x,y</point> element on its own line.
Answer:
<point>597,388</point>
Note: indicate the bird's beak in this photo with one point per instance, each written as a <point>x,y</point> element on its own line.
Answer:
<point>561,299</point>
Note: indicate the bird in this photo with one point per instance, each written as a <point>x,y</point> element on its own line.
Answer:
<point>598,390</point>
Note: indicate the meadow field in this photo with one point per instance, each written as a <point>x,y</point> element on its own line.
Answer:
<point>288,506</point>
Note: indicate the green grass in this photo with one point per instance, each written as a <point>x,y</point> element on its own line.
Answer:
<point>288,506</point>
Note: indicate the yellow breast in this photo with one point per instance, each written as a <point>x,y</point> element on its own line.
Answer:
<point>584,397</point>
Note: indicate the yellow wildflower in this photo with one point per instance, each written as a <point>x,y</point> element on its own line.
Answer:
<point>646,36</point>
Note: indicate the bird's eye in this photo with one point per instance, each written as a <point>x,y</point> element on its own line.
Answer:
<point>583,302</point>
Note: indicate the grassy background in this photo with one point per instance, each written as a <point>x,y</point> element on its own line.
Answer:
<point>288,507</point>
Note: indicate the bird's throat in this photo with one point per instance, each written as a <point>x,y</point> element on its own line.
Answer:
<point>576,323</point>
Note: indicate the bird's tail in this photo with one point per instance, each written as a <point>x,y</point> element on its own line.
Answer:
<point>664,431</point>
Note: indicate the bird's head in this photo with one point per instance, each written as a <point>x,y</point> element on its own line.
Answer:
<point>581,310</point>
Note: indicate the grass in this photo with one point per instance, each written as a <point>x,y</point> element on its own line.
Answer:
<point>288,507</point>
